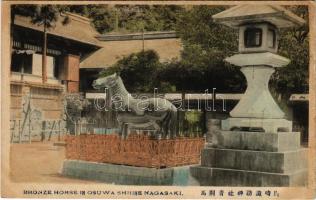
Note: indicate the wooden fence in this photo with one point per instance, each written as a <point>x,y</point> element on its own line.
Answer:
<point>136,150</point>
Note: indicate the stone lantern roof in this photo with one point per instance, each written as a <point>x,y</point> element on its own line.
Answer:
<point>243,14</point>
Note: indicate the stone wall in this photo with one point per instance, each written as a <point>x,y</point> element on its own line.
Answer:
<point>48,100</point>
<point>36,112</point>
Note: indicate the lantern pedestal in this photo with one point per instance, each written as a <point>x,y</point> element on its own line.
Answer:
<point>257,108</point>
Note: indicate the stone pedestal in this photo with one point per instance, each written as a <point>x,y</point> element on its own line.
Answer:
<point>127,175</point>
<point>257,108</point>
<point>253,159</point>
<point>257,101</point>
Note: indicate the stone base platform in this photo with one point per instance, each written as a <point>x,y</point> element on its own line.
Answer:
<point>287,162</point>
<point>268,125</point>
<point>257,141</point>
<point>232,177</point>
<point>127,175</point>
<point>253,159</point>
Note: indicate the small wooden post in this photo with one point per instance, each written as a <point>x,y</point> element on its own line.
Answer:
<point>51,131</point>
<point>75,128</point>
<point>204,128</point>
<point>43,130</point>
<point>30,132</point>
<point>80,127</point>
<point>20,132</point>
<point>12,131</point>
<point>59,130</point>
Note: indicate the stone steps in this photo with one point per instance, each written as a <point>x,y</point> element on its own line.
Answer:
<point>208,176</point>
<point>274,142</point>
<point>263,161</point>
<point>236,158</point>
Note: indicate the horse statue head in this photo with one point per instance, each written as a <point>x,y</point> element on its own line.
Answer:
<point>105,82</point>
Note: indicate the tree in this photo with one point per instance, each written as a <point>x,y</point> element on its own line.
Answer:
<point>140,72</point>
<point>148,17</point>
<point>46,15</point>
<point>293,44</point>
<point>128,18</point>
<point>206,44</point>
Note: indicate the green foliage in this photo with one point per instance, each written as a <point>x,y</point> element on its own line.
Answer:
<point>45,15</point>
<point>24,10</point>
<point>293,44</point>
<point>193,123</point>
<point>193,116</point>
<point>128,18</point>
<point>206,44</point>
<point>148,18</point>
<point>139,72</point>
<point>196,27</point>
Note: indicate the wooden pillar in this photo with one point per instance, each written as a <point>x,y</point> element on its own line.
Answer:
<point>71,73</point>
<point>44,57</point>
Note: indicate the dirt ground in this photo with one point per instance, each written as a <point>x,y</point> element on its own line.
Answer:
<point>38,162</point>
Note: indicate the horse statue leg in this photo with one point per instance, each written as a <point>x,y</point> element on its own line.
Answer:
<point>158,129</point>
<point>121,129</point>
<point>167,133</point>
<point>125,130</point>
<point>164,126</point>
<point>172,123</point>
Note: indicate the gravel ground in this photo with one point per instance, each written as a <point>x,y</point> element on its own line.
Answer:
<point>38,162</point>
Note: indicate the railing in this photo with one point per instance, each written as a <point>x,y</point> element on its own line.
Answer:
<point>16,76</point>
<point>136,150</point>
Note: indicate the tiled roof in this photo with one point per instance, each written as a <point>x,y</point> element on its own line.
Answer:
<point>79,28</point>
<point>112,51</point>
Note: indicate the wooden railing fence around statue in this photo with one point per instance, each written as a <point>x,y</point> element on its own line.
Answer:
<point>137,150</point>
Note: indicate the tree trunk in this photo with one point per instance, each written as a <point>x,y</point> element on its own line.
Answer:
<point>11,35</point>
<point>44,67</point>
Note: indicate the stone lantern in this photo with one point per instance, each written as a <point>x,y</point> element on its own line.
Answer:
<point>258,45</point>
<point>255,145</point>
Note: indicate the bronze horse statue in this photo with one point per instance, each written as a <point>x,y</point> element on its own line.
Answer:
<point>156,114</point>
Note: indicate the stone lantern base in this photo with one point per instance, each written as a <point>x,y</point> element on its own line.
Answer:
<point>253,159</point>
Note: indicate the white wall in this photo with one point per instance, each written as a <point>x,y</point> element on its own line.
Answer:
<point>37,65</point>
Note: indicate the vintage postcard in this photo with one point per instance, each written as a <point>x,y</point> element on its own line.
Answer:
<point>158,99</point>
